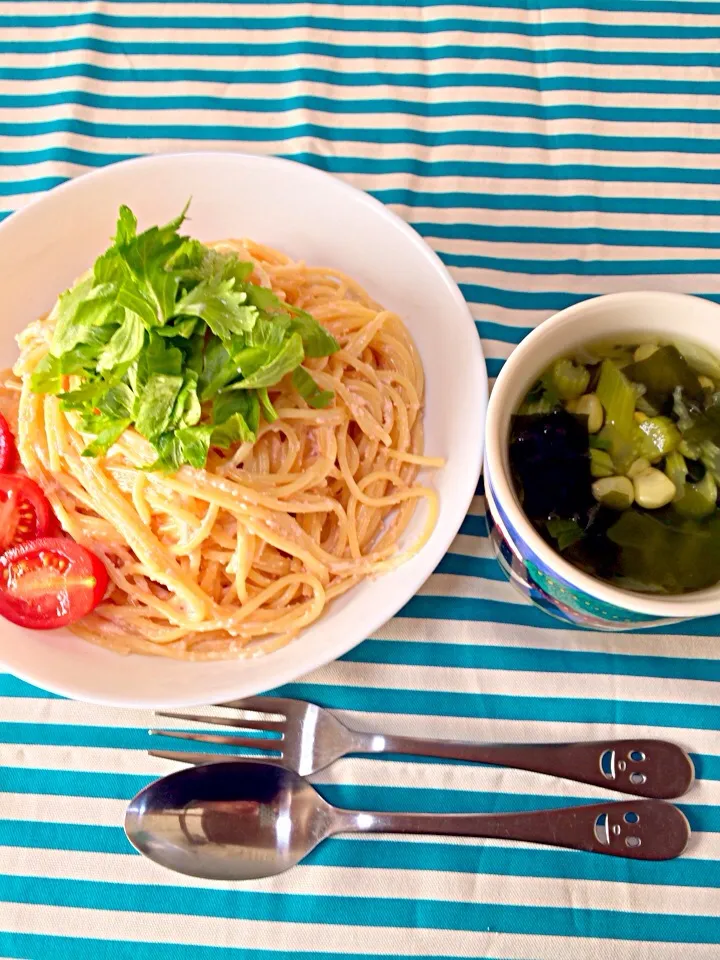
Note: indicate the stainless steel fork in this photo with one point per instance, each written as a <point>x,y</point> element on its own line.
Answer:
<point>311,738</point>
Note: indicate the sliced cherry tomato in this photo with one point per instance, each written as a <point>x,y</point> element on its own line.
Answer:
<point>49,583</point>
<point>25,513</point>
<point>8,454</point>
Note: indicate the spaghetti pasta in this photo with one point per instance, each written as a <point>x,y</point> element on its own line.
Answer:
<point>237,558</point>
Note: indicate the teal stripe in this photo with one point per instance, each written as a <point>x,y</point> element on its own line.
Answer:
<point>404,107</point>
<point>35,946</point>
<point>378,25</point>
<point>435,81</point>
<point>464,566</point>
<point>350,51</point>
<point>543,202</point>
<point>474,526</point>
<point>569,235</point>
<point>384,854</point>
<point>525,614</point>
<point>21,187</point>
<point>11,686</point>
<point>500,331</point>
<point>412,167</point>
<point>583,268</point>
<point>484,201</point>
<point>352,135</point>
<point>354,911</point>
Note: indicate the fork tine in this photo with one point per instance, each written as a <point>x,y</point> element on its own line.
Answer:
<point>256,743</point>
<point>182,756</point>
<point>260,704</point>
<point>267,725</point>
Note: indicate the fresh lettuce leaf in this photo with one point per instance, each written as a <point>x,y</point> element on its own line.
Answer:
<point>317,341</point>
<point>125,344</point>
<point>219,368</point>
<point>195,443</point>
<point>80,309</point>
<point>289,356</point>
<point>106,438</point>
<point>234,430</point>
<point>221,307</point>
<point>156,405</point>
<point>309,390</point>
<point>245,402</point>
<point>117,402</point>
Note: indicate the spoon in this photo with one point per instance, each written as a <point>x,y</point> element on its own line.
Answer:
<point>242,820</point>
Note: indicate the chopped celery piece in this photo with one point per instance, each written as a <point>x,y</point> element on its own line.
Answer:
<point>644,352</point>
<point>662,373</point>
<point>676,470</point>
<point>700,359</point>
<point>542,397</point>
<point>661,437</point>
<point>710,456</point>
<point>569,380</point>
<point>698,499</point>
<point>617,396</point>
<point>601,464</point>
<point>598,442</point>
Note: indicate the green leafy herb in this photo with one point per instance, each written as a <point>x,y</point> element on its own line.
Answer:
<point>161,326</point>
<point>309,390</point>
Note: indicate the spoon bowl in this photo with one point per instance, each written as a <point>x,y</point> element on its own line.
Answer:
<point>228,821</point>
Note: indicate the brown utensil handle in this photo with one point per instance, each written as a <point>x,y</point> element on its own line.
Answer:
<point>644,768</point>
<point>638,829</point>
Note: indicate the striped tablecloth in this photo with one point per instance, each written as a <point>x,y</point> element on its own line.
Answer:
<point>548,152</point>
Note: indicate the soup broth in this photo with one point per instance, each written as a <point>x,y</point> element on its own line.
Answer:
<point>615,456</point>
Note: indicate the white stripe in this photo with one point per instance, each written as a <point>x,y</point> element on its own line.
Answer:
<point>472,588</point>
<point>679,647</point>
<point>554,46</point>
<point>637,18</point>
<point>330,937</point>
<point>518,683</point>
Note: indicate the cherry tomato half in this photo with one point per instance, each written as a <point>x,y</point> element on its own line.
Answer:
<point>25,513</point>
<point>49,583</point>
<point>8,453</point>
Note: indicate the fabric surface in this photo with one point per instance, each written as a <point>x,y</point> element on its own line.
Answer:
<point>548,152</point>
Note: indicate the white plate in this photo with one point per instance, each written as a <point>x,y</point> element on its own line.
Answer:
<point>321,220</point>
